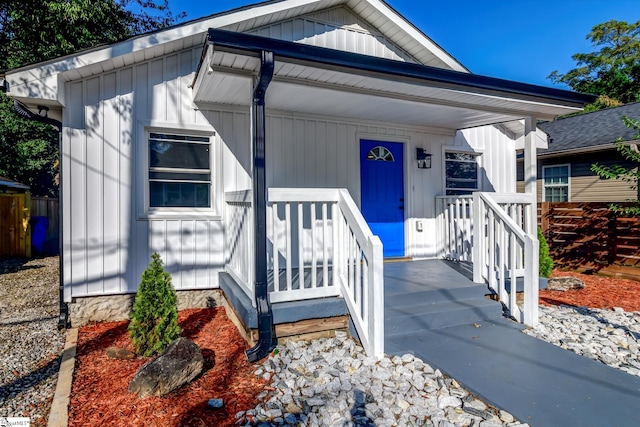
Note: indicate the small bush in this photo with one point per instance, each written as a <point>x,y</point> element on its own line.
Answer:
<point>546,263</point>
<point>154,319</point>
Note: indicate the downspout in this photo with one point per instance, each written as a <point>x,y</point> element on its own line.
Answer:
<point>24,112</point>
<point>266,335</point>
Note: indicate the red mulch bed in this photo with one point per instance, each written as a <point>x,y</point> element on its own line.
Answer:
<point>599,292</point>
<point>99,394</point>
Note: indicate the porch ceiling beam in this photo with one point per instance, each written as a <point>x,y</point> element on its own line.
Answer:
<point>514,115</point>
<point>385,68</point>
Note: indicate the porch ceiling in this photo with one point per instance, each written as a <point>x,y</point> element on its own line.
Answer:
<point>318,81</point>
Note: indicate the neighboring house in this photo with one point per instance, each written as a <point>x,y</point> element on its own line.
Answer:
<point>576,143</point>
<point>368,125</point>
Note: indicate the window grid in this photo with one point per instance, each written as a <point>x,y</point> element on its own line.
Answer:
<point>555,181</point>
<point>179,171</point>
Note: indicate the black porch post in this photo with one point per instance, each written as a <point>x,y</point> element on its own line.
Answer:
<point>266,337</point>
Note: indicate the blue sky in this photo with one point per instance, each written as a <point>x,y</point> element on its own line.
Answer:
<point>522,40</point>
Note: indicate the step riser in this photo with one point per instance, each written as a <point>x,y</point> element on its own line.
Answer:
<point>435,296</point>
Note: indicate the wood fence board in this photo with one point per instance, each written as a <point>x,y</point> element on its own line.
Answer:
<point>590,236</point>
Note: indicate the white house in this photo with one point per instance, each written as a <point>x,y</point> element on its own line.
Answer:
<point>369,129</point>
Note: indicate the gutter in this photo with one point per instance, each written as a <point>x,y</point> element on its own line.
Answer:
<point>23,111</point>
<point>266,336</point>
<point>230,41</point>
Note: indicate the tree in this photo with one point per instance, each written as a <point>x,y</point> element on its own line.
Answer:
<point>34,31</point>
<point>154,319</point>
<point>612,71</point>
<point>625,174</point>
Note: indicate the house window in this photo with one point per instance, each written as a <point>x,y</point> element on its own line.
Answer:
<point>179,171</point>
<point>555,180</point>
<point>461,173</point>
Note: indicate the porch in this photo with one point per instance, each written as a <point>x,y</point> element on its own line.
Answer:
<point>321,250</point>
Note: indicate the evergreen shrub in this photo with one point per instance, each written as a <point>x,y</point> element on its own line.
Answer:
<point>546,262</point>
<point>154,319</point>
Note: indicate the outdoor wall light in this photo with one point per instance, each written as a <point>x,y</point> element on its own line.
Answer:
<point>424,159</point>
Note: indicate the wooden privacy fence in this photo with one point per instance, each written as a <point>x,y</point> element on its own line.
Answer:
<point>590,237</point>
<point>15,233</point>
<point>48,207</point>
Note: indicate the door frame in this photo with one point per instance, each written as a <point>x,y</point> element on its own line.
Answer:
<point>405,141</point>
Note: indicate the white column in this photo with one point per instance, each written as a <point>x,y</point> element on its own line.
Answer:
<point>530,170</point>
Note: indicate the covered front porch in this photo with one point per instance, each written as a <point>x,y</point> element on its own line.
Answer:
<point>312,242</point>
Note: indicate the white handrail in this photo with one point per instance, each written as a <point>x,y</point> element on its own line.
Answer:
<point>323,246</point>
<point>503,252</point>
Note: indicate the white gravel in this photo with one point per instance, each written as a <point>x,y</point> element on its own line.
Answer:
<point>30,344</point>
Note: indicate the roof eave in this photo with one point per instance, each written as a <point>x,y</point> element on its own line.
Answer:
<point>250,44</point>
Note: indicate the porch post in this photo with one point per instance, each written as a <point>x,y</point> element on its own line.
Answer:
<point>530,172</point>
<point>531,262</point>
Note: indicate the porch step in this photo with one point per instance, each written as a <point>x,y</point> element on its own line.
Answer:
<point>432,296</point>
<point>403,319</point>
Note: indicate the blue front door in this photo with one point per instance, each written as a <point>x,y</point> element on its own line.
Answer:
<point>382,193</point>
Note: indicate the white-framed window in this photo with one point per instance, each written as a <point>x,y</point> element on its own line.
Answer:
<point>555,183</point>
<point>461,173</point>
<point>179,170</point>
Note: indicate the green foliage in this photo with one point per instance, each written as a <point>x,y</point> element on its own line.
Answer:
<point>630,175</point>
<point>613,69</point>
<point>154,319</point>
<point>29,151</point>
<point>546,263</point>
<point>34,31</point>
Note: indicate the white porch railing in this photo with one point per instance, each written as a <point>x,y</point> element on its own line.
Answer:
<point>318,245</point>
<point>454,227</point>
<point>493,230</point>
<point>239,245</point>
<point>505,250</point>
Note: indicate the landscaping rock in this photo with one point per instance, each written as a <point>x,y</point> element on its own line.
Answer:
<point>564,283</point>
<point>215,403</point>
<point>178,365</point>
<point>120,353</point>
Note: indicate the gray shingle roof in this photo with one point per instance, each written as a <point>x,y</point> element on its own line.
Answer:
<point>590,129</point>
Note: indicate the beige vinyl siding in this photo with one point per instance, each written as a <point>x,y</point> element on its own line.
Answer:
<point>586,186</point>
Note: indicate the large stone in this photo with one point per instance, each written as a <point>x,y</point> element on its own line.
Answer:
<point>178,365</point>
<point>564,284</point>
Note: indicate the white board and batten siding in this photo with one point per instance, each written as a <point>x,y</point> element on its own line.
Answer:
<point>336,28</point>
<point>108,239</point>
<point>330,157</point>
<point>497,149</point>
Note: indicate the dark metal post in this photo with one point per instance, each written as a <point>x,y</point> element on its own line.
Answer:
<point>266,337</point>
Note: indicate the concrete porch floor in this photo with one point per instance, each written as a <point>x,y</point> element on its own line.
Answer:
<point>439,315</point>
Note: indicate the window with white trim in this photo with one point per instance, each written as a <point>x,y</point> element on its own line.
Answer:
<point>179,170</point>
<point>555,183</point>
<point>461,173</point>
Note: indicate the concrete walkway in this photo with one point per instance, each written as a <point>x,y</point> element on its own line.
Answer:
<point>537,382</point>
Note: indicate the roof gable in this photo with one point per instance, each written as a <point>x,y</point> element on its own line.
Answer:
<point>584,131</point>
<point>336,28</point>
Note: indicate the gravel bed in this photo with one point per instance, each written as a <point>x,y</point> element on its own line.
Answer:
<point>609,336</point>
<point>331,382</point>
<point>30,344</point>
